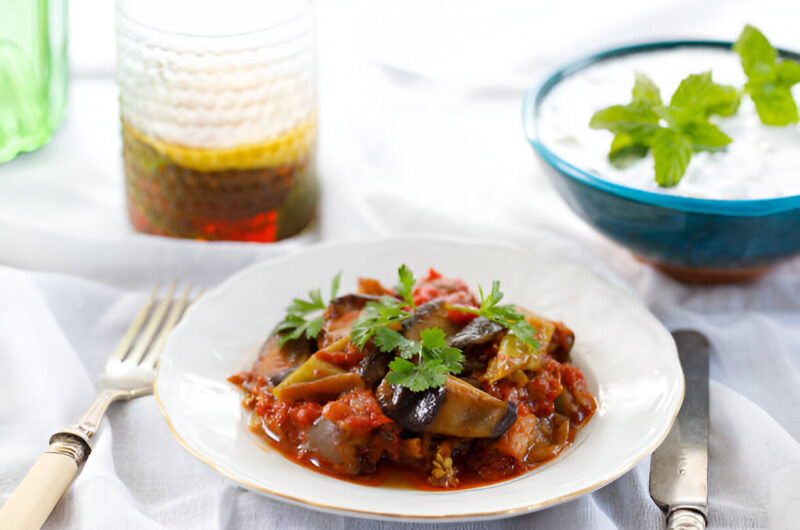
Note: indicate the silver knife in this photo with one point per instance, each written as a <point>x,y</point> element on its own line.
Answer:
<point>679,467</point>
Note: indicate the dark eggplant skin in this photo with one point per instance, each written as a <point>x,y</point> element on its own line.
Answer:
<point>374,364</point>
<point>276,378</point>
<point>479,331</point>
<point>411,410</point>
<point>275,362</point>
<point>431,314</point>
<point>340,315</point>
<point>508,420</point>
<point>455,409</point>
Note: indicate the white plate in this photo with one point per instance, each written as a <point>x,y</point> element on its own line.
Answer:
<point>629,360</point>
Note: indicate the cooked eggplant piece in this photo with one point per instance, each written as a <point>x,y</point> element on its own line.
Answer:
<point>479,331</point>
<point>512,355</point>
<point>431,314</point>
<point>374,365</point>
<point>455,409</point>
<point>275,362</point>
<point>469,412</point>
<point>339,316</point>
<point>320,390</point>
<point>337,446</point>
<point>312,370</point>
<point>412,410</point>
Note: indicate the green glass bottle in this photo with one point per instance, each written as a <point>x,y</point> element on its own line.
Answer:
<point>33,73</point>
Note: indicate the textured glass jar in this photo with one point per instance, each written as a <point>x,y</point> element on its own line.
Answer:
<point>218,109</point>
<point>33,73</point>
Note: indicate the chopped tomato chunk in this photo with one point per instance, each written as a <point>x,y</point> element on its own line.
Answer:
<point>356,411</point>
<point>452,290</point>
<point>544,388</point>
<point>346,358</point>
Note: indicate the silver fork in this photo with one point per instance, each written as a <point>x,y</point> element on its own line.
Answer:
<point>129,373</point>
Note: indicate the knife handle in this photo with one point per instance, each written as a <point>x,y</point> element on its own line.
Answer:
<point>686,519</point>
<point>42,488</point>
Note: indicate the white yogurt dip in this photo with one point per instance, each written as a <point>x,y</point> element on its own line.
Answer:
<point>761,162</point>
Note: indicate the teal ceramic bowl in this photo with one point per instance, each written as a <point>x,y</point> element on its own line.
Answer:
<point>692,239</point>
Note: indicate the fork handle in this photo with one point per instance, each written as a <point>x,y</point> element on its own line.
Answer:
<point>45,484</point>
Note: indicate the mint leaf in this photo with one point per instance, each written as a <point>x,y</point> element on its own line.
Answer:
<point>635,120</point>
<point>757,54</point>
<point>625,150</point>
<point>671,152</point>
<point>700,97</point>
<point>645,91</point>
<point>769,79</point>
<point>788,73</point>
<point>774,103</point>
<point>722,100</point>
<point>705,136</point>
<point>406,286</point>
<point>642,124</point>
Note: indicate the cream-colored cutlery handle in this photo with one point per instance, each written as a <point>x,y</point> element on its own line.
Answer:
<point>43,486</point>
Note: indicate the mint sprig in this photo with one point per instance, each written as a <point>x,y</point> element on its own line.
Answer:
<point>673,132</point>
<point>769,79</point>
<point>296,320</point>
<point>434,358</point>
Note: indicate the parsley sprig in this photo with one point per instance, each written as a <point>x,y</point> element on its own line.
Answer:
<point>505,315</point>
<point>434,358</point>
<point>673,132</point>
<point>769,79</point>
<point>296,323</point>
<point>386,311</point>
<point>405,287</point>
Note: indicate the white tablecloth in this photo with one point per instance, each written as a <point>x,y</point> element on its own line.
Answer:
<point>420,133</point>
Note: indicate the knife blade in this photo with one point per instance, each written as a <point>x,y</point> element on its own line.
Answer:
<point>679,467</point>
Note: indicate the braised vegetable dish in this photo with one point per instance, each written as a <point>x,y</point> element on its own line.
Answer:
<point>451,389</point>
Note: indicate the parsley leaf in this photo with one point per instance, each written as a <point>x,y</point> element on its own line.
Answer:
<point>406,286</point>
<point>387,340</point>
<point>505,315</point>
<point>672,131</point>
<point>376,315</point>
<point>435,359</point>
<point>295,321</point>
<point>769,79</point>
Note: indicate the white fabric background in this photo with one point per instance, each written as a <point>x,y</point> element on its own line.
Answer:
<point>420,133</point>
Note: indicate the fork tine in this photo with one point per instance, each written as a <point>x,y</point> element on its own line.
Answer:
<point>175,313</point>
<point>125,343</point>
<point>156,318</point>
